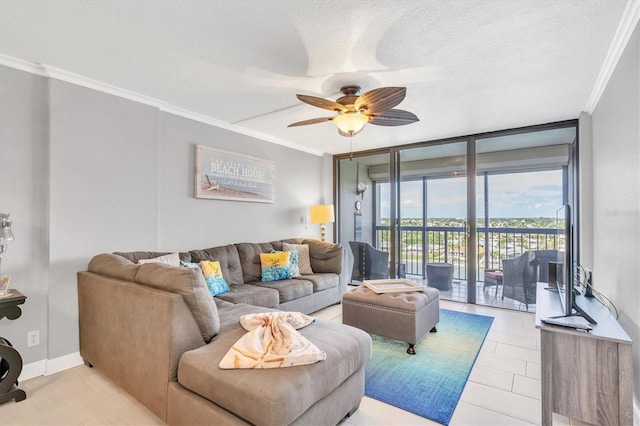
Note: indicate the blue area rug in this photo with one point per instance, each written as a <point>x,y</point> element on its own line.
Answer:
<point>429,383</point>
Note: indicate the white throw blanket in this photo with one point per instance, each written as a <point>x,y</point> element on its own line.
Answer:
<point>273,341</point>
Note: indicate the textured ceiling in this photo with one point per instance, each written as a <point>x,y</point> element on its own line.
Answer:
<point>469,66</point>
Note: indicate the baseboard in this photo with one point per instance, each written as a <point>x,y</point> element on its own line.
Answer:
<point>63,363</point>
<point>34,369</point>
<point>51,366</point>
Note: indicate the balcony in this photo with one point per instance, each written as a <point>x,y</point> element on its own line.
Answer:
<point>433,244</point>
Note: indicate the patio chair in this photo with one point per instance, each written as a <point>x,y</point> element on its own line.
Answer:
<point>519,278</point>
<point>368,262</point>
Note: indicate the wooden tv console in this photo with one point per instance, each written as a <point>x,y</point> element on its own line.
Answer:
<point>585,375</point>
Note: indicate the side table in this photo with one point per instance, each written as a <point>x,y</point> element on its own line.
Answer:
<point>10,359</point>
<point>439,275</point>
<point>491,278</point>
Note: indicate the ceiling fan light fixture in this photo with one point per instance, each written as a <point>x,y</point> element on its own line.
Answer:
<point>351,122</point>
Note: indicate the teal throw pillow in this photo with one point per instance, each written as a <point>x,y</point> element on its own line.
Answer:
<point>216,285</point>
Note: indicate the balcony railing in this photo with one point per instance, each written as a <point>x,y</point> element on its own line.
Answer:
<point>432,244</point>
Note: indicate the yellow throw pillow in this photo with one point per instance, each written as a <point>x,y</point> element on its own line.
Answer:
<point>213,277</point>
<point>275,266</point>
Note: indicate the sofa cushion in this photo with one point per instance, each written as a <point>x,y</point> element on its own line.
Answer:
<point>228,258</point>
<point>249,254</point>
<point>274,396</point>
<point>275,266</point>
<point>113,265</point>
<point>288,289</point>
<point>304,261</point>
<point>278,244</point>
<point>325,257</point>
<point>171,259</point>
<point>252,295</point>
<point>188,282</point>
<point>322,281</point>
<point>135,256</point>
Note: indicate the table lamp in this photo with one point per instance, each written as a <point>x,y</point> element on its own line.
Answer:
<point>322,214</point>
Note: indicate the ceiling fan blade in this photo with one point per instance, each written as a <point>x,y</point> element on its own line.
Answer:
<point>321,103</point>
<point>311,121</point>
<point>380,100</point>
<point>393,117</point>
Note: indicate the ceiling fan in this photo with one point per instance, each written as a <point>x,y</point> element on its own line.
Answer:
<point>354,111</point>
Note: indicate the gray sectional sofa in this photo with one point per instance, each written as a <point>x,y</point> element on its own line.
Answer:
<point>157,332</point>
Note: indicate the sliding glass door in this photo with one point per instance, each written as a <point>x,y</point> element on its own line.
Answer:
<point>432,217</point>
<point>448,213</point>
<point>523,179</point>
<point>364,214</point>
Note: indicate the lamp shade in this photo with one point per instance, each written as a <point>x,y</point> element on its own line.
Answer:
<point>322,213</point>
<point>351,122</point>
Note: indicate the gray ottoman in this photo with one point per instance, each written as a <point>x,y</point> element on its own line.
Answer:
<point>402,316</point>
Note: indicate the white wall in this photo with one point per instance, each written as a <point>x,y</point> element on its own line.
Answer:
<point>215,222</point>
<point>616,194</point>
<point>84,172</point>
<point>103,191</point>
<point>24,192</point>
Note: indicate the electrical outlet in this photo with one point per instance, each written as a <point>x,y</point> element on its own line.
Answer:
<point>33,338</point>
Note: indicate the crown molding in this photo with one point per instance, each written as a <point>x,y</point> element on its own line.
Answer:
<point>627,25</point>
<point>79,80</point>
<point>99,86</point>
<point>170,109</point>
<point>19,64</point>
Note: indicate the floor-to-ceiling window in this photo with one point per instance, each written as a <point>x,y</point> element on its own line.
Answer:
<point>465,205</point>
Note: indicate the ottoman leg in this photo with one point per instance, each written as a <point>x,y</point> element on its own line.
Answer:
<point>433,330</point>
<point>411,350</point>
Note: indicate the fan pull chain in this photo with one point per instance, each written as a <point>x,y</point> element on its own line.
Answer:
<point>350,146</point>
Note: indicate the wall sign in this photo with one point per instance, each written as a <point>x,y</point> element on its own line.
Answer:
<point>224,175</point>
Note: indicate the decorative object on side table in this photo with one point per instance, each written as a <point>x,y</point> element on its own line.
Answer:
<point>4,286</point>
<point>6,238</point>
<point>10,360</point>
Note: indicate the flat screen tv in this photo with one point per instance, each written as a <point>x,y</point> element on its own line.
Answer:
<point>567,281</point>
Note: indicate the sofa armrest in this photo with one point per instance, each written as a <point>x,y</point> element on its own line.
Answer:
<point>325,257</point>
<point>135,335</point>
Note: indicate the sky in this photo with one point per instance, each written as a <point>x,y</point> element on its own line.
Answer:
<point>514,195</point>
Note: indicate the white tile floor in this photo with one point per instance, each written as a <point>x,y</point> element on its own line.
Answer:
<point>484,296</point>
<point>503,389</point>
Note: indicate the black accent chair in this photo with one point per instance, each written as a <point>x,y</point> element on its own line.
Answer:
<point>368,262</point>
